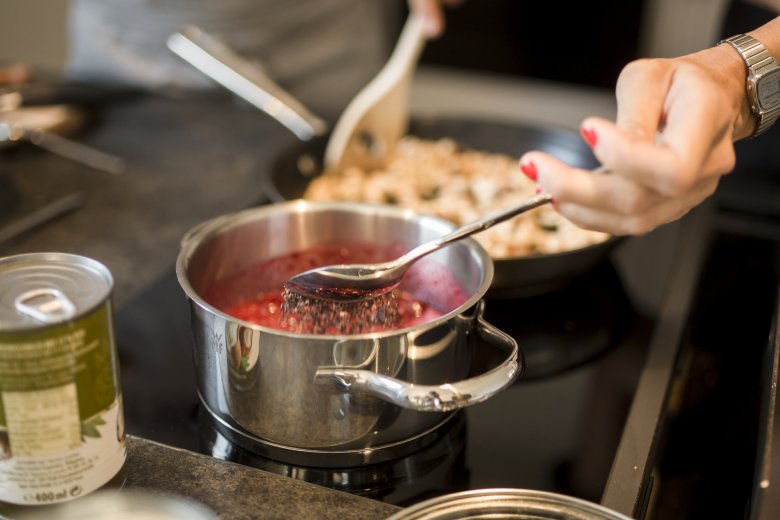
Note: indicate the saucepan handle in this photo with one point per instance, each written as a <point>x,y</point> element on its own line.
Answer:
<point>434,398</point>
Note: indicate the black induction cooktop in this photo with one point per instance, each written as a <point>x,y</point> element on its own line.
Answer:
<point>618,404</point>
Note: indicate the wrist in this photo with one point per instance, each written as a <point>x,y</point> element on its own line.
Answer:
<point>728,70</point>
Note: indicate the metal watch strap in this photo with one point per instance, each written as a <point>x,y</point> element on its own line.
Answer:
<point>757,60</point>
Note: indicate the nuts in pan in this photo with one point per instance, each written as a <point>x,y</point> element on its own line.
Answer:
<point>440,178</point>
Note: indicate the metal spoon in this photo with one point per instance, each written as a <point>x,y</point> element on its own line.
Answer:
<point>350,282</point>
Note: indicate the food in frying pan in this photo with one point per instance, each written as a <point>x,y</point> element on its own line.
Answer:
<point>443,179</point>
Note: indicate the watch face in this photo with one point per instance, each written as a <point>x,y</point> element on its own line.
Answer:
<point>768,89</point>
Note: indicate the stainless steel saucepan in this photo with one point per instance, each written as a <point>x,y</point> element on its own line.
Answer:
<point>357,395</point>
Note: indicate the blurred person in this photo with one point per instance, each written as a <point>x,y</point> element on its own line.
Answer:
<point>322,52</point>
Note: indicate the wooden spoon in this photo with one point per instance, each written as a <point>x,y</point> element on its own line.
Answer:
<point>378,116</point>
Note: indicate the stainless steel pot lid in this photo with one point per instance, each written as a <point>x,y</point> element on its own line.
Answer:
<point>506,504</point>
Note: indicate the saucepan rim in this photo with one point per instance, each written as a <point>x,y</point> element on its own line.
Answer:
<point>202,232</point>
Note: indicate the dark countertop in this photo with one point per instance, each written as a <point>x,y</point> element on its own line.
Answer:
<point>189,160</point>
<point>235,491</point>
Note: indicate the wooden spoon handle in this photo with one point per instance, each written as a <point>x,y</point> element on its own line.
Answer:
<point>378,115</point>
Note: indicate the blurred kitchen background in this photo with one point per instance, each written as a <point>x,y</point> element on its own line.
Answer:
<point>33,32</point>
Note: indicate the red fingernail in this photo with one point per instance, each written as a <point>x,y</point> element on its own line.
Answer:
<point>589,135</point>
<point>538,190</point>
<point>529,169</point>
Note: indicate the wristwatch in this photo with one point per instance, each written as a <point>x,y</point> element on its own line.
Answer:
<point>763,80</point>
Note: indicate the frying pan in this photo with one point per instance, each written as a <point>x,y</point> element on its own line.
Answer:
<point>292,171</point>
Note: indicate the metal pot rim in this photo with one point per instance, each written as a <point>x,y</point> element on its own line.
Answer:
<point>519,503</point>
<point>205,230</point>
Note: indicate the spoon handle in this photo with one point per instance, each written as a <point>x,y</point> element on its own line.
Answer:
<point>489,220</point>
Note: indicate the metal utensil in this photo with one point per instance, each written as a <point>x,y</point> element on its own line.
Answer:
<point>349,282</point>
<point>378,115</point>
<point>42,215</point>
<point>246,80</point>
<point>61,146</point>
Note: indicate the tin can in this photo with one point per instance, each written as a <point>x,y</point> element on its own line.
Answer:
<point>62,429</point>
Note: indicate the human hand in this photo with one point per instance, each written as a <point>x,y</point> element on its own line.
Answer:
<point>672,141</point>
<point>432,12</point>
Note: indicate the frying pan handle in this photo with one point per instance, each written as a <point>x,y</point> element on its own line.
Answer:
<point>433,398</point>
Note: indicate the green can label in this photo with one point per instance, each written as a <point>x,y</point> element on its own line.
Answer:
<point>61,422</point>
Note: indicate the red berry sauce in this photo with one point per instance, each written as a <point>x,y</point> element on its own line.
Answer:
<point>255,294</point>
